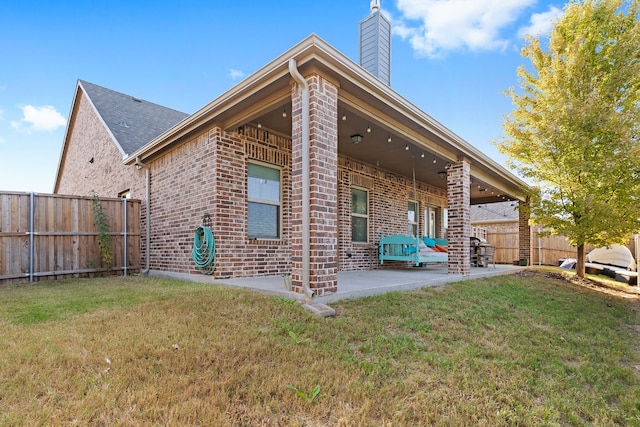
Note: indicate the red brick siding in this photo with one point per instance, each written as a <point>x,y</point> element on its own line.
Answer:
<point>209,175</point>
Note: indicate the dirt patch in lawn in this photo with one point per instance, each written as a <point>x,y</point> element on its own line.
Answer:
<point>620,290</point>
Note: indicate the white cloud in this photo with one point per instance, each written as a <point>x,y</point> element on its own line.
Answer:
<point>444,25</point>
<point>541,23</point>
<point>44,118</point>
<point>236,74</point>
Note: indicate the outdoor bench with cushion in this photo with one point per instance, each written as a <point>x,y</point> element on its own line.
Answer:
<point>412,249</point>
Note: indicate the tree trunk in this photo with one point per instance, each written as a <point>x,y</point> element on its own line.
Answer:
<point>581,260</point>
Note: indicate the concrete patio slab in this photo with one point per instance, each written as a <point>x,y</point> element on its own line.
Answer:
<point>355,284</point>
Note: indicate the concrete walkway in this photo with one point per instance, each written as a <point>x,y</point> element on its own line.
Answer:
<point>356,284</point>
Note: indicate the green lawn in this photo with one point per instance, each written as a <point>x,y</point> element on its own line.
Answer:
<point>514,350</point>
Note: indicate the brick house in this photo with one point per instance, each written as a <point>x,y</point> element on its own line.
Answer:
<point>301,168</point>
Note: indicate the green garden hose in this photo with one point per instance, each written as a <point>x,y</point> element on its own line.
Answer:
<point>204,250</point>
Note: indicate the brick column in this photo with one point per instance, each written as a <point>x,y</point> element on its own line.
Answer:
<point>459,233</point>
<point>323,195</point>
<point>524,232</point>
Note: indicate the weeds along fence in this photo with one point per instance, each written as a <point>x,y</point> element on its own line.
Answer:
<point>48,237</point>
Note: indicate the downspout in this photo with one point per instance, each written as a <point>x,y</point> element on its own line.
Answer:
<point>306,183</point>
<point>139,165</point>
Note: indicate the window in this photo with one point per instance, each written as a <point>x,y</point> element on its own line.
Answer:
<point>412,216</point>
<point>430,222</point>
<point>264,202</point>
<point>445,218</point>
<point>359,215</point>
<point>126,194</point>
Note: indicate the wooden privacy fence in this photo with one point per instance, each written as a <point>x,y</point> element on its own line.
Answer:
<point>546,250</point>
<point>46,236</point>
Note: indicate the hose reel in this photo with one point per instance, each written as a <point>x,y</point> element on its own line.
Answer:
<point>204,247</point>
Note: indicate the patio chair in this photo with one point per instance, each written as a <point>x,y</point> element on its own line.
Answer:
<point>487,254</point>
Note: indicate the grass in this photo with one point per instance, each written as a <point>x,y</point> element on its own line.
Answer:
<point>512,350</point>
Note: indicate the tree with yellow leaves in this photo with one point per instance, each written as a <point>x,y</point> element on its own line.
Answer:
<point>575,129</point>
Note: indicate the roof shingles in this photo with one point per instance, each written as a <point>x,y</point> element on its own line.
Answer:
<point>132,121</point>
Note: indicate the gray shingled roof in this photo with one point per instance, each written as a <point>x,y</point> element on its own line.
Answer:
<point>132,121</point>
<point>488,212</point>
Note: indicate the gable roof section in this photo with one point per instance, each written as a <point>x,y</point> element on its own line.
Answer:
<point>270,87</point>
<point>131,121</point>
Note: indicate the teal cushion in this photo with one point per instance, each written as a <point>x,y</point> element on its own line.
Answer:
<point>442,242</point>
<point>428,241</point>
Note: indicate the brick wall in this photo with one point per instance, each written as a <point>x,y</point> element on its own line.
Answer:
<point>459,233</point>
<point>208,175</point>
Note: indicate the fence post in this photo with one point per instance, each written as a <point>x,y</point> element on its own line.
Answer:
<point>31,231</point>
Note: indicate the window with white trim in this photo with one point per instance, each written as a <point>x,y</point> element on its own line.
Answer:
<point>264,197</point>
<point>359,215</point>
<point>430,222</point>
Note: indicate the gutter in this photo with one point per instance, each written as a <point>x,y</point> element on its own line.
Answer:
<point>303,86</point>
<point>140,165</point>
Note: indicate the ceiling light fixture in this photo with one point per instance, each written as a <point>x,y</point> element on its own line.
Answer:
<point>434,160</point>
<point>356,139</point>
<point>389,139</point>
<point>284,113</point>
<point>406,147</point>
<point>422,156</point>
<point>369,129</point>
<point>259,125</point>
<point>344,116</point>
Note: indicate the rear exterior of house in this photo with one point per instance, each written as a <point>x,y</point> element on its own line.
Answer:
<point>273,166</point>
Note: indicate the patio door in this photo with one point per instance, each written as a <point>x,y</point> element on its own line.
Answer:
<point>430,221</point>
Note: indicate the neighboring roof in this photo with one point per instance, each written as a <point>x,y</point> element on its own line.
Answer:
<point>133,122</point>
<point>494,212</point>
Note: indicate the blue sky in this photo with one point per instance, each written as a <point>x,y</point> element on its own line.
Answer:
<point>451,58</point>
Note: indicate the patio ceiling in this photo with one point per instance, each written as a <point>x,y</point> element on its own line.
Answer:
<point>400,156</point>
